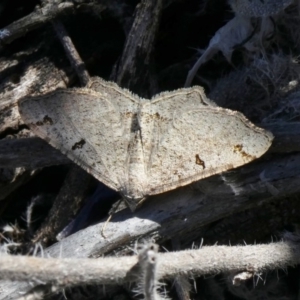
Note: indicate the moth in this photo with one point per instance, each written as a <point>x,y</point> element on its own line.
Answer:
<point>143,147</point>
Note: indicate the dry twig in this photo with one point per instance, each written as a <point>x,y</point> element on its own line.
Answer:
<point>117,270</point>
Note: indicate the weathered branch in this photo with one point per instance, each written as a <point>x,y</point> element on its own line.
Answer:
<point>116,270</point>
<point>34,21</point>
<point>72,54</point>
<point>134,69</point>
<point>38,18</point>
<point>147,279</point>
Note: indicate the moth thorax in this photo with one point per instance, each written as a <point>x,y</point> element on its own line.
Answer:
<point>134,203</point>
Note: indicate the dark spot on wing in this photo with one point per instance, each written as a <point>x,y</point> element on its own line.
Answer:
<point>157,115</point>
<point>128,114</point>
<point>178,174</point>
<point>78,145</point>
<point>199,161</point>
<point>46,120</point>
<point>239,149</point>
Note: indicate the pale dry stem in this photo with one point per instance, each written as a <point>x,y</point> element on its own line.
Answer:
<point>148,283</point>
<point>118,270</point>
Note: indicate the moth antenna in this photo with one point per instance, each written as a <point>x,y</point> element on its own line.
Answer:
<point>114,209</point>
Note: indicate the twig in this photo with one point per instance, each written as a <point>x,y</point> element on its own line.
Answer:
<point>38,18</point>
<point>147,281</point>
<point>72,53</point>
<point>116,270</point>
<point>33,21</point>
<point>134,69</point>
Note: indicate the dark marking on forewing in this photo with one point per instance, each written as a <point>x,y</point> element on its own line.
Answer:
<point>158,116</point>
<point>46,120</point>
<point>239,149</point>
<point>78,145</point>
<point>199,161</point>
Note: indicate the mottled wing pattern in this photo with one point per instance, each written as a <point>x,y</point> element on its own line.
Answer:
<point>92,128</point>
<point>157,115</point>
<point>196,142</point>
<point>141,147</point>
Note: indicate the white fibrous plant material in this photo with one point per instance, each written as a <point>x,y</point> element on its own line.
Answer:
<point>233,33</point>
<point>140,147</point>
<point>265,80</point>
<point>251,28</point>
<point>238,32</point>
<point>259,8</point>
<point>147,281</point>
